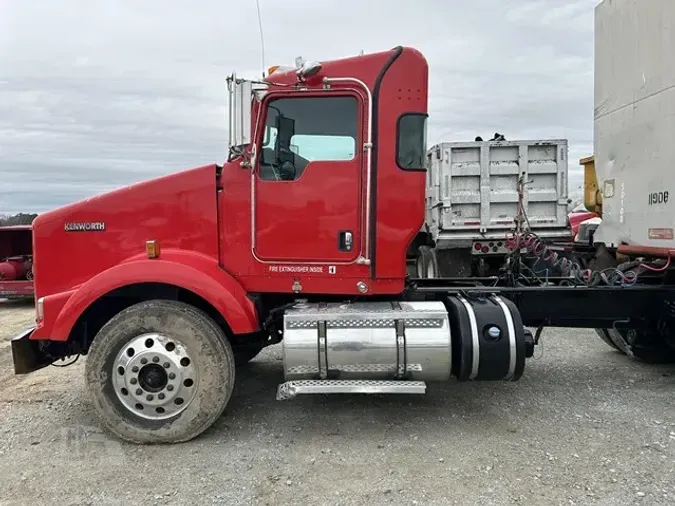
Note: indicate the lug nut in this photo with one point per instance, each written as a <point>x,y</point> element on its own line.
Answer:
<point>155,359</point>
<point>150,397</point>
<point>144,361</point>
<point>139,391</point>
<point>167,365</point>
<point>134,369</point>
<point>169,387</point>
<point>133,381</point>
<point>172,375</point>
<point>160,396</point>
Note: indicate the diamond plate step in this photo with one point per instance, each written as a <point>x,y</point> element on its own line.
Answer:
<point>290,389</point>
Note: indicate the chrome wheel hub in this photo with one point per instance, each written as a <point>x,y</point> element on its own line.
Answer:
<point>154,376</point>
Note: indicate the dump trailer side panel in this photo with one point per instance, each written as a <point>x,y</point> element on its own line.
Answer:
<point>635,122</point>
<point>472,189</point>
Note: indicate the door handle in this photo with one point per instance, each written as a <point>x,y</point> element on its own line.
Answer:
<point>345,240</point>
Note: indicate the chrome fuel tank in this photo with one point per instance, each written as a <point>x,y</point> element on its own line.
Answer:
<point>367,340</point>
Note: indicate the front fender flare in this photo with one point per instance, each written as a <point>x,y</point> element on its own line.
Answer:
<point>192,271</point>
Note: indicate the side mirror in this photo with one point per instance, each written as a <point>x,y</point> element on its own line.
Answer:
<point>241,95</point>
<point>287,171</point>
<point>285,132</point>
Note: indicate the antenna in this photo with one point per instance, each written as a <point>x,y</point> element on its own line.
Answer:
<point>262,39</point>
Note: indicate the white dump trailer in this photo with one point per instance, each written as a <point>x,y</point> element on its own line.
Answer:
<point>472,201</point>
<point>634,139</point>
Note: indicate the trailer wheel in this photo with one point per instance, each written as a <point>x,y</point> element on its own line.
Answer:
<point>427,264</point>
<point>160,372</point>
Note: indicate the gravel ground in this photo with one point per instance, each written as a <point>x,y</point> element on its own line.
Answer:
<point>585,425</point>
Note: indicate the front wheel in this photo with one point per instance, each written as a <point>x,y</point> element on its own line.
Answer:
<point>160,372</point>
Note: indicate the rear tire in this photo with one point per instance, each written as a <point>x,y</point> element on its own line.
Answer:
<point>642,347</point>
<point>604,335</point>
<point>177,340</point>
<point>427,264</point>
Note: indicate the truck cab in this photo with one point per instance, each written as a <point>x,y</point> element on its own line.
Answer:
<point>334,175</point>
<point>174,282</point>
<point>322,192</point>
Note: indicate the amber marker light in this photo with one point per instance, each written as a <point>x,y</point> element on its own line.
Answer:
<point>152,249</point>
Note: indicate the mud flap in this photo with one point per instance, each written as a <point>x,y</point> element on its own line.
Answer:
<point>27,354</point>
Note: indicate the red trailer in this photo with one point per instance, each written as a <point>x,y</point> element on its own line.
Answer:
<point>16,262</point>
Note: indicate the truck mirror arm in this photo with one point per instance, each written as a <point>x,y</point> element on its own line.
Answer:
<point>246,151</point>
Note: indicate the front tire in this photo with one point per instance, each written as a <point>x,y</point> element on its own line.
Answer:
<point>160,371</point>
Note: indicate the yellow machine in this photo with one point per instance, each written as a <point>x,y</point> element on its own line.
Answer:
<point>592,195</point>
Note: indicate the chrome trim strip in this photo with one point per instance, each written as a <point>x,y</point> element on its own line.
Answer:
<point>510,327</point>
<point>474,337</point>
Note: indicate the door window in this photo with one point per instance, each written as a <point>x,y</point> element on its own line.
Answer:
<point>303,130</point>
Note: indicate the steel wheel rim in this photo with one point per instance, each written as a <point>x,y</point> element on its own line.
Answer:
<point>154,376</point>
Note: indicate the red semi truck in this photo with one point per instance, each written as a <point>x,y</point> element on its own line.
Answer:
<point>299,238</point>
<point>16,262</point>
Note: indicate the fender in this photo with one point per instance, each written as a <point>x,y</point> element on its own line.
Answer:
<point>189,270</point>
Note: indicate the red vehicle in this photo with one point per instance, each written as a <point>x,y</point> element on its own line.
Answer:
<point>300,237</point>
<point>16,262</point>
<point>577,218</point>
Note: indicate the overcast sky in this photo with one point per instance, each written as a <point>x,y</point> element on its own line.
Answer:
<point>96,94</point>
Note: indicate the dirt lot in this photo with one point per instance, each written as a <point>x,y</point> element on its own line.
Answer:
<point>584,426</point>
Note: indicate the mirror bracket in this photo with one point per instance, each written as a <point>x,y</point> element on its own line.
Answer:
<point>248,158</point>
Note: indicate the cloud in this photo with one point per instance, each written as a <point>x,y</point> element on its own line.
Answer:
<point>97,95</point>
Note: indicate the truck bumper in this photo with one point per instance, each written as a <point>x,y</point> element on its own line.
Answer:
<point>27,354</point>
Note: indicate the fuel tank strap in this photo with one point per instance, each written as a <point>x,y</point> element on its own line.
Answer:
<point>401,355</point>
<point>323,349</point>
<point>401,358</point>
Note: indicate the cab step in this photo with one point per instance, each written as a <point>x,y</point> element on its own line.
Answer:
<point>290,389</point>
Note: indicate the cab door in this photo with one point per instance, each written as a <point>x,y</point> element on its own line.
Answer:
<point>307,186</point>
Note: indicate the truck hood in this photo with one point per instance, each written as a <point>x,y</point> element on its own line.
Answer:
<point>75,242</point>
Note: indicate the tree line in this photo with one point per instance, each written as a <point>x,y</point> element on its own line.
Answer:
<point>17,219</point>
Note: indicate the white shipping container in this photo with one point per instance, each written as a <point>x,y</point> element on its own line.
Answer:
<point>472,189</point>
<point>634,140</point>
